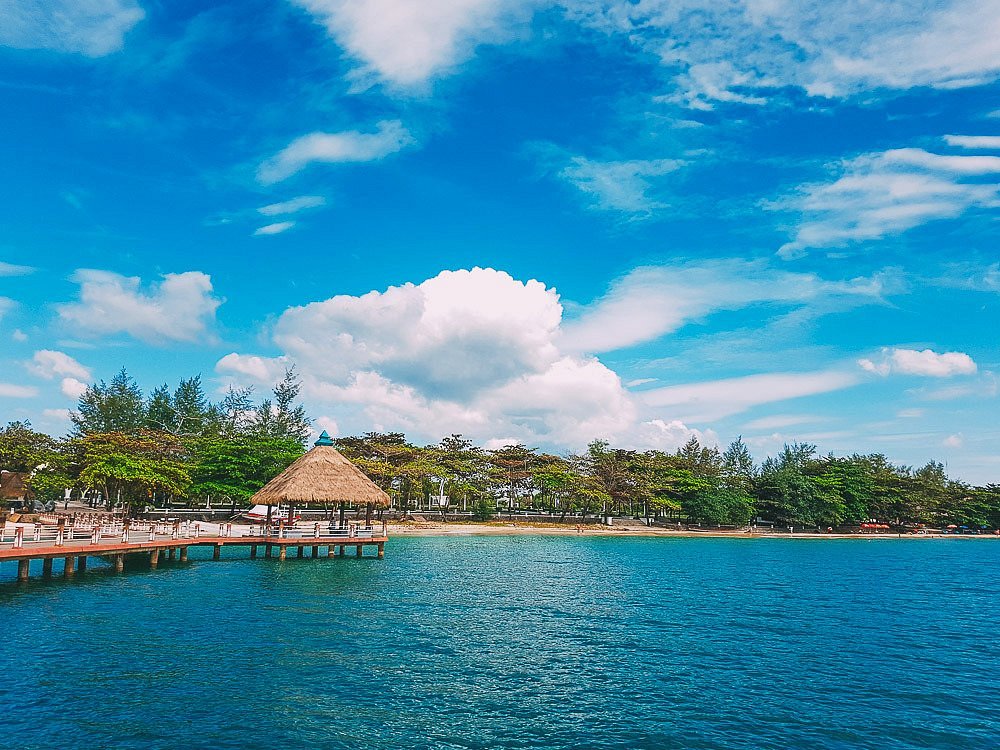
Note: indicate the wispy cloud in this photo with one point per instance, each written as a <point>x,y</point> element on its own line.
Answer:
<point>12,390</point>
<point>90,27</point>
<point>707,401</point>
<point>335,148</point>
<point>652,301</point>
<point>885,193</point>
<point>986,142</point>
<point>9,269</point>
<point>625,186</point>
<point>292,206</point>
<point>276,228</point>
<point>744,51</point>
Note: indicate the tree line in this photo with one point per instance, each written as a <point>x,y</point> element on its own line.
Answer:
<point>136,450</point>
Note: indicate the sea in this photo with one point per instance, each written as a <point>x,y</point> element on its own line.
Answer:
<point>516,642</point>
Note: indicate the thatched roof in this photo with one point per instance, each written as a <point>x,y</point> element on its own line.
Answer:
<point>13,486</point>
<point>322,475</point>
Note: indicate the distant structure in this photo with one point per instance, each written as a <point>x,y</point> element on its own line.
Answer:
<point>14,487</point>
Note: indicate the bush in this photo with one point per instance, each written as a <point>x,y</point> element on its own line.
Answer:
<point>483,510</point>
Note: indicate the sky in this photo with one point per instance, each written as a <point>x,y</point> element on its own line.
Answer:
<point>517,220</point>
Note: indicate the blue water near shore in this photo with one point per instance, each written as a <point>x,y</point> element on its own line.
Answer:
<point>517,642</point>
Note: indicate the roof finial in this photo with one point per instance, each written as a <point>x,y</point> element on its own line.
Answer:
<point>324,440</point>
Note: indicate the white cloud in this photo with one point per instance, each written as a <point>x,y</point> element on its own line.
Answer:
<point>710,400</point>
<point>624,186</point>
<point>260,369</point>
<point>974,141</point>
<point>72,388</point>
<point>335,148</point>
<point>11,390</point>
<point>90,27</point>
<point>18,335</point>
<point>61,415</point>
<point>954,441</point>
<point>925,363</point>
<point>485,354</point>
<point>276,228</point>
<point>6,305</point>
<point>9,269</point>
<point>180,308</point>
<point>653,301</point>
<point>910,413</point>
<point>886,193</point>
<point>292,206</point>
<point>48,364</point>
<point>741,51</point>
<point>406,43</point>
<point>329,425</point>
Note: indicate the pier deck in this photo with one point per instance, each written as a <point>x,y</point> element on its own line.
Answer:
<point>24,547</point>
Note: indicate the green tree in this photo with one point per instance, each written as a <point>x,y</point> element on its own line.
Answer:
<point>117,406</point>
<point>131,468</point>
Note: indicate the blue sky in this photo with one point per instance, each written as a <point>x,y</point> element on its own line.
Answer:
<point>517,220</point>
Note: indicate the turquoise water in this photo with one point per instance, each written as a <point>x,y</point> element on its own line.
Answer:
<point>517,642</point>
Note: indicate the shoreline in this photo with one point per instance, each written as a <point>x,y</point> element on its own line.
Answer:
<point>507,528</point>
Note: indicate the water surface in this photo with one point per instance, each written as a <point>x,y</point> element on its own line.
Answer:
<point>517,642</point>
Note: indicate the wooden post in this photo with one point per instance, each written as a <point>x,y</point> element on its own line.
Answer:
<point>330,549</point>
<point>119,563</point>
<point>360,549</point>
<point>47,567</point>
<point>154,558</point>
<point>343,550</point>
<point>342,507</point>
<point>267,550</point>
<point>184,554</point>
<point>381,550</point>
<point>70,567</point>
<point>172,553</point>
<point>368,514</point>
<point>315,551</point>
<point>301,549</point>
<point>253,551</point>
<point>217,552</point>
<point>283,552</point>
<point>81,563</point>
<point>22,569</point>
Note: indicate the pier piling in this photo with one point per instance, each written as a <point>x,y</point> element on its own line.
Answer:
<point>70,566</point>
<point>22,570</point>
<point>81,563</point>
<point>217,552</point>
<point>47,567</point>
<point>184,553</point>
<point>154,558</point>
<point>119,561</point>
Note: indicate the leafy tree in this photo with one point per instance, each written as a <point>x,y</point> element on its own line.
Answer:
<point>117,406</point>
<point>133,467</point>
<point>236,467</point>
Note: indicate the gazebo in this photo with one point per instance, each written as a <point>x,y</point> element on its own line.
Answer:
<point>322,476</point>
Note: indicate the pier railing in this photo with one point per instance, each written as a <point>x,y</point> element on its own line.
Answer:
<point>136,532</point>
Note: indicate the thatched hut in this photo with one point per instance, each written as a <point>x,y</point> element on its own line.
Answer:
<point>323,476</point>
<point>14,486</point>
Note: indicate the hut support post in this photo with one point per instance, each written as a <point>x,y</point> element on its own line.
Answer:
<point>368,514</point>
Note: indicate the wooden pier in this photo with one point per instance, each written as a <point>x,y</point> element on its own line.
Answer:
<point>172,542</point>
